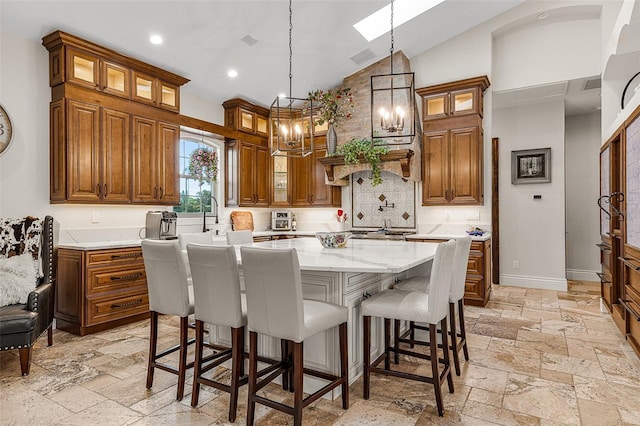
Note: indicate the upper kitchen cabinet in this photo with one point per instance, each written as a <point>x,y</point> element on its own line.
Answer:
<point>113,131</point>
<point>247,174</point>
<point>246,117</point>
<point>307,175</point>
<point>452,153</point>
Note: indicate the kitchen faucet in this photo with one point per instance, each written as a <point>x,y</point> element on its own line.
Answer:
<point>204,214</point>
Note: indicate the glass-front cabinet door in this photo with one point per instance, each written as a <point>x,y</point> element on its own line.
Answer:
<point>436,106</point>
<point>143,88</point>
<point>168,96</point>
<point>116,79</point>
<point>83,68</point>
<point>463,102</point>
<point>280,181</point>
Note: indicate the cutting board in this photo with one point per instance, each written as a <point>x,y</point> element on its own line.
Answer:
<point>241,221</point>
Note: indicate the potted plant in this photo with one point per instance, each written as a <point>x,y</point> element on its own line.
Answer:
<point>333,107</point>
<point>370,150</point>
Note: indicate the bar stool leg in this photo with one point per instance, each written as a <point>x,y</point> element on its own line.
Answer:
<point>284,353</point>
<point>433,345</point>
<point>182,364</point>
<point>253,376</point>
<point>197,364</point>
<point>298,392</point>
<point>445,353</point>
<point>463,333</point>
<point>153,347</point>
<point>412,333</point>
<point>454,337</point>
<point>396,344</point>
<point>237,361</point>
<point>366,325</point>
<point>387,343</point>
<point>344,365</point>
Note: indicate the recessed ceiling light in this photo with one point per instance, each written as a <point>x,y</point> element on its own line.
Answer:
<point>155,39</point>
<point>376,24</point>
<point>542,16</point>
<point>232,73</point>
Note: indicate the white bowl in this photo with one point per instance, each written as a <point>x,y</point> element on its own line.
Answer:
<point>333,239</point>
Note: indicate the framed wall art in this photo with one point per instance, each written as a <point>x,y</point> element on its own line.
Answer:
<point>531,166</point>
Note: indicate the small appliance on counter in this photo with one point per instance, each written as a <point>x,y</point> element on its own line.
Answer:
<point>281,221</point>
<point>161,225</point>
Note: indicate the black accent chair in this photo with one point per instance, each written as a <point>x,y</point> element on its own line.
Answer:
<point>22,324</point>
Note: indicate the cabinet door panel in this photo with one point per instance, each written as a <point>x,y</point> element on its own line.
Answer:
<point>168,173</point>
<point>83,150</point>
<point>261,176</point>
<point>435,168</point>
<point>145,187</point>
<point>246,194</point>
<point>301,176</point>
<point>321,194</point>
<point>465,166</point>
<point>116,163</point>
<point>57,151</point>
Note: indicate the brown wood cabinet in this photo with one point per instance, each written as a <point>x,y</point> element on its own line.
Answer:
<point>246,117</point>
<point>111,139</point>
<point>307,177</point>
<point>247,178</point>
<point>478,283</point>
<point>100,289</point>
<point>452,152</point>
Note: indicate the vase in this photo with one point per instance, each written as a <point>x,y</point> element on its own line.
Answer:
<point>332,140</point>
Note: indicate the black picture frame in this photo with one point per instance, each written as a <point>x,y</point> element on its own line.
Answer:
<point>531,166</point>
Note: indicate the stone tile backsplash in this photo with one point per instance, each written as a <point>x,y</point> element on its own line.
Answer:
<point>372,205</point>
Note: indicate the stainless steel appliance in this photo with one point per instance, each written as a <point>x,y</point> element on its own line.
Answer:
<point>281,221</point>
<point>161,225</point>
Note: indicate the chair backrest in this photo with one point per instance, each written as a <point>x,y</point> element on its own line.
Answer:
<point>239,237</point>
<point>166,277</point>
<point>274,292</point>
<point>216,284</point>
<point>461,259</point>
<point>194,237</point>
<point>440,284</point>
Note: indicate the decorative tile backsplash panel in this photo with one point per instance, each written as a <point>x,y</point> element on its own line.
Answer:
<point>393,200</point>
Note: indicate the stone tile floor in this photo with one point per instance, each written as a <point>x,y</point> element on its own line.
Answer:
<point>538,357</point>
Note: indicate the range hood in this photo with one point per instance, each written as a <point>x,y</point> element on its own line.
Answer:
<point>401,162</point>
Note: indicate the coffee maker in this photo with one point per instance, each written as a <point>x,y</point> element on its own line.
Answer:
<point>161,225</point>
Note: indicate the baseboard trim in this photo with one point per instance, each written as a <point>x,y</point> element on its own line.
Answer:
<point>582,275</point>
<point>534,282</point>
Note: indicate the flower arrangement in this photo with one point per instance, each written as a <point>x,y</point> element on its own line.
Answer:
<point>333,105</point>
<point>203,165</point>
<point>341,216</point>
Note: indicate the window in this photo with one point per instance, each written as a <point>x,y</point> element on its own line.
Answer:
<point>193,197</point>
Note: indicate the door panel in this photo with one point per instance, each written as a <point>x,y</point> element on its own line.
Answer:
<point>145,188</point>
<point>116,164</point>
<point>435,174</point>
<point>83,164</point>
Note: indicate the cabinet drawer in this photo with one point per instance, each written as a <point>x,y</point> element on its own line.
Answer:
<point>110,308</point>
<point>474,287</point>
<point>477,246</point>
<point>110,279</point>
<point>632,276</point>
<point>475,265</point>
<point>356,281</point>
<point>113,257</point>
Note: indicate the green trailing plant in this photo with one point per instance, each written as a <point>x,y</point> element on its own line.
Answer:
<point>370,150</point>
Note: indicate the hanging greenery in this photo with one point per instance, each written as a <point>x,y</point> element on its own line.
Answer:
<point>370,150</point>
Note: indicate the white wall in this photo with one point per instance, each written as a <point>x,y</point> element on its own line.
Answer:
<point>532,231</point>
<point>582,148</point>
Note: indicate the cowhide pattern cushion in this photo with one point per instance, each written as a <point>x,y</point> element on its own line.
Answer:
<point>18,236</point>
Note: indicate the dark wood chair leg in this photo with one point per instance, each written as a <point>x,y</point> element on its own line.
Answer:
<point>454,337</point>
<point>387,343</point>
<point>298,393</point>
<point>182,363</point>
<point>344,364</point>
<point>396,343</point>
<point>463,333</point>
<point>153,347</point>
<point>25,360</point>
<point>445,353</point>
<point>237,360</point>
<point>366,354</point>
<point>433,345</point>
<point>284,348</point>
<point>50,335</point>
<point>253,376</point>
<point>197,364</point>
<point>412,333</point>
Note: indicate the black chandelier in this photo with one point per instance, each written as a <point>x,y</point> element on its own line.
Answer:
<point>393,104</point>
<point>291,129</point>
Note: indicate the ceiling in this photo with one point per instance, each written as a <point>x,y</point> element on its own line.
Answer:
<point>203,39</point>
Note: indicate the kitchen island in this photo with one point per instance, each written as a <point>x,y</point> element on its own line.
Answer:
<point>344,276</point>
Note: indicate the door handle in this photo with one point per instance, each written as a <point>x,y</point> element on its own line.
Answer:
<point>98,189</point>
<point>161,193</point>
<point>105,190</point>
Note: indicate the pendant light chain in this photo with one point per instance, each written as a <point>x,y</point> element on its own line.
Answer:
<point>290,49</point>
<point>391,50</point>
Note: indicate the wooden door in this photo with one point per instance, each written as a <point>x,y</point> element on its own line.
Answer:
<point>301,175</point>
<point>246,193</point>
<point>435,168</point>
<point>116,164</point>
<point>261,175</point>
<point>145,186</point>
<point>83,151</point>
<point>465,163</point>
<point>168,173</point>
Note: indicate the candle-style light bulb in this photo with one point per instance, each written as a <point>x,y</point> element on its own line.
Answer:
<point>284,131</point>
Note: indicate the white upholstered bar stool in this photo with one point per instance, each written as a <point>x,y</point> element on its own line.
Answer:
<point>275,307</point>
<point>239,237</point>
<point>216,287</point>
<point>170,293</point>
<point>193,237</point>
<point>458,339</point>
<point>419,306</point>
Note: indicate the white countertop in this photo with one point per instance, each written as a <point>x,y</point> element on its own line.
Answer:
<point>378,256</point>
<point>445,236</point>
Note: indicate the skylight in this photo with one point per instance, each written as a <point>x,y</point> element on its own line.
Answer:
<point>378,23</point>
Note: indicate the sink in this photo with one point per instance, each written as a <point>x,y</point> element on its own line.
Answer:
<point>380,235</point>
